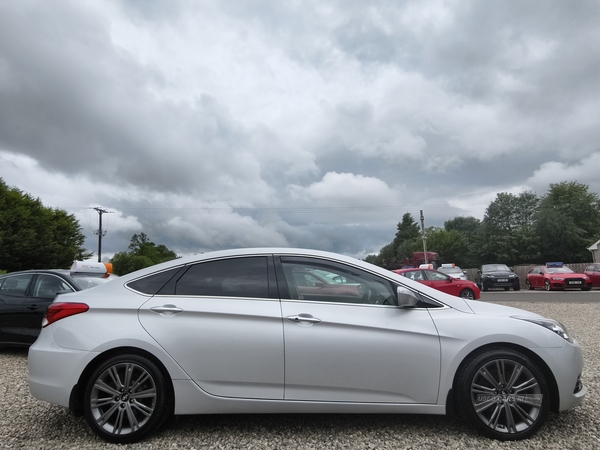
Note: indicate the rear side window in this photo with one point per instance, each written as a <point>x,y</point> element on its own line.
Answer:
<point>235,277</point>
<point>153,283</point>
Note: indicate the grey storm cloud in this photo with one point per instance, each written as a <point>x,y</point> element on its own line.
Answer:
<point>312,124</point>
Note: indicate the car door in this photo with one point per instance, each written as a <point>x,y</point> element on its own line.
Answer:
<point>441,282</point>
<point>13,291</point>
<point>44,289</point>
<point>535,277</point>
<point>221,321</point>
<point>355,347</point>
<point>593,272</point>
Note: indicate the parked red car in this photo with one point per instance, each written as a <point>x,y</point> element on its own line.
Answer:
<point>442,282</point>
<point>556,276</point>
<point>593,272</point>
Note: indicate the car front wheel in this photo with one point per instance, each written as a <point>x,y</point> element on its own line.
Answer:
<point>503,394</point>
<point>126,398</point>
<point>547,285</point>
<point>468,294</point>
<point>529,286</point>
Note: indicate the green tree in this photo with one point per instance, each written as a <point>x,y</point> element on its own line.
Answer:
<point>142,253</point>
<point>508,232</point>
<point>568,220</point>
<point>451,245</point>
<point>471,229</point>
<point>407,238</point>
<point>36,237</point>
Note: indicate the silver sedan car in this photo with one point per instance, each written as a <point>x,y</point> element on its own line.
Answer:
<point>251,331</point>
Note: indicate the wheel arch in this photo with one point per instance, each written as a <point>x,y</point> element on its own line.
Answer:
<point>552,385</point>
<point>76,397</point>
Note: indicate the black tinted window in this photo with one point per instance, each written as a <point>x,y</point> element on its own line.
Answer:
<point>152,283</point>
<point>236,277</point>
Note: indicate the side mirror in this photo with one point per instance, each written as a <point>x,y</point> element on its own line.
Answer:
<point>406,298</point>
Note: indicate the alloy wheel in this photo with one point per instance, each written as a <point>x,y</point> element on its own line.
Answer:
<point>506,396</point>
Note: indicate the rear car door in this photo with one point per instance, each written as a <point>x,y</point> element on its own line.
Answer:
<point>355,345</point>
<point>221,321</point>
<point>43,290</point>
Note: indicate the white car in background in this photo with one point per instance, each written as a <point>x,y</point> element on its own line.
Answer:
<point>453,270</point>
<point>233,332</point>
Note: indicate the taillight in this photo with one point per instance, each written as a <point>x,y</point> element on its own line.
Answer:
<point>57,311</point>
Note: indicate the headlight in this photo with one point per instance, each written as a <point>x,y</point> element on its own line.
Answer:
<point>557,278</point>
<point>552,325</point>
<point>512,275</point>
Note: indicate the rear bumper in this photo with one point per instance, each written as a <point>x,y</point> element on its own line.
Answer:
<point>54,370</point>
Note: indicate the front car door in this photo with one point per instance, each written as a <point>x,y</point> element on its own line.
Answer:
<point>13,293</point>
<point>441,282</point>
<point>356,345</point>
<point>229,335</point>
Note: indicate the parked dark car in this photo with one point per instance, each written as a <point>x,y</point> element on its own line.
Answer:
<point>492,276</point>
<point>25,296</point>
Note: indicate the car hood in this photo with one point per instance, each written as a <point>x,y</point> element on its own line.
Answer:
<point>479,307</point>
<point>498,273</point>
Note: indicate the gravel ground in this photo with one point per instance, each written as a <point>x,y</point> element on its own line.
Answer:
<point>26,423</point>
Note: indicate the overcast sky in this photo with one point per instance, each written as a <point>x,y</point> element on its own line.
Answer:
<point>316,124</point>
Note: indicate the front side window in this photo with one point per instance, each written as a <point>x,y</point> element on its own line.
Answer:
<point>235,277</point>
<point>316,280</point>
<point>16,285</point>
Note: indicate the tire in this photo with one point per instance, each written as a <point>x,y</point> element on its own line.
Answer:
<point>516,287</point>
<point>529,286</point>
<point>126,398</point>
<point>547,285</point>
<point>498,405</point>
<point>484,287</point>
<point>468,294</point>
<point>507,288</point>
<point>586,288</point>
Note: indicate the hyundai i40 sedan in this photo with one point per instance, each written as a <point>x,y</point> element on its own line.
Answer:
<point>237,332</point>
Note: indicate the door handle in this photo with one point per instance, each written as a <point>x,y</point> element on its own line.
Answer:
<point>303,318</point>
<point>170,310</point>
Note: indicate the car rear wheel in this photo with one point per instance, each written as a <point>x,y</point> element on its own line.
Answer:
<point>468,294</point>
<point>547,285</point>
<point>126,398</point>
<point>503,394</point>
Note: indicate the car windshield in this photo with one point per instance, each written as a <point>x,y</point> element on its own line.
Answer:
<point>558,270</point>
<point>495,268</point>
<point>450,269</point>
